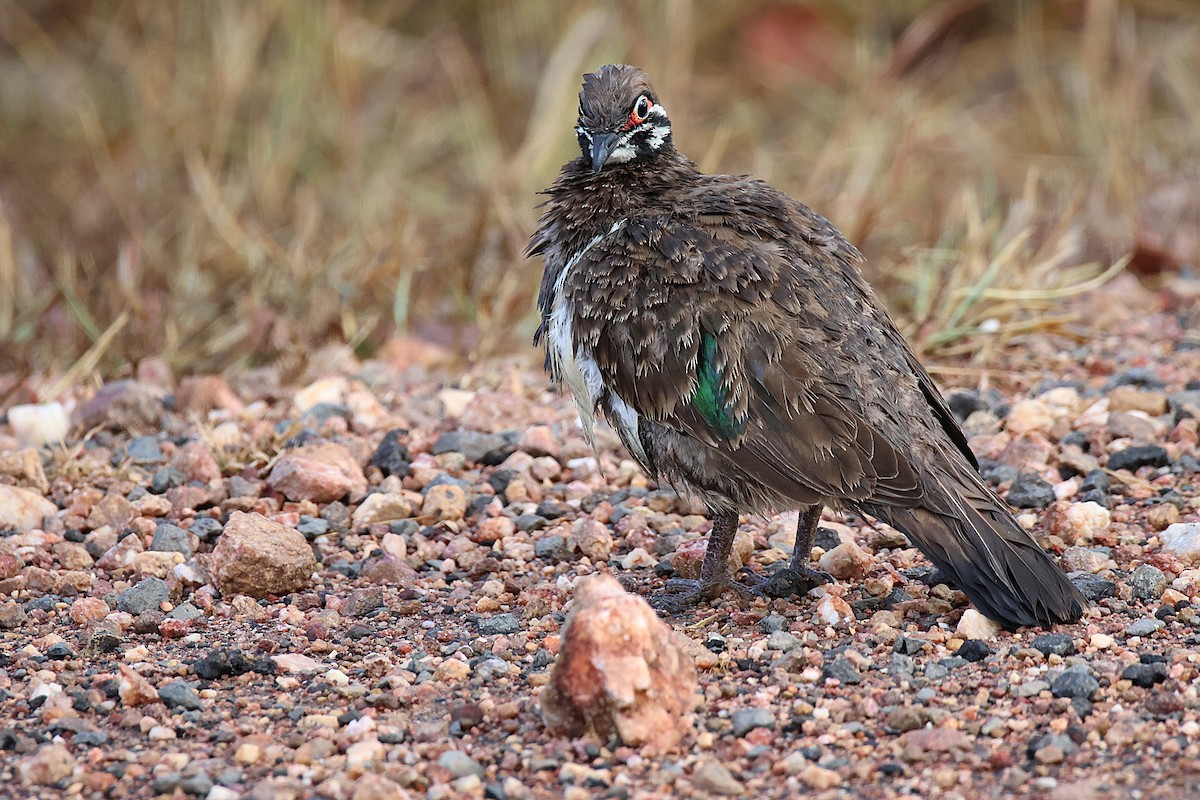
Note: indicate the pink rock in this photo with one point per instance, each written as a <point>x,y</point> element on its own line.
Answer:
<point>23,510</point>
<point>935,740</point>
<point>258,557</point>
<point>47,765</point>
<point>540,441</point>
<point>196,461</point>
<point>200,394</point>
<point>847,561</point>
<point>88,609</point>
<point>592,538</point>
<point>133,689</point>
<point>321,473</point>
<point>620,671</point>
<point>10,566</point>
<point>690,555</point>
<point>121,554</point>
<point>25,468</point>
<point>123,405</point>
<point>112,510</point>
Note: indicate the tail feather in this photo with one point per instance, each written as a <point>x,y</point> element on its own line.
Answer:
<point>966,531</point>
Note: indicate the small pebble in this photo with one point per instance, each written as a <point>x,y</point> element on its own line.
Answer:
<point>1143,627</point>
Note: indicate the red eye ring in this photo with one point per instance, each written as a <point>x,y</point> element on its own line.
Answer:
<point>641,110</point>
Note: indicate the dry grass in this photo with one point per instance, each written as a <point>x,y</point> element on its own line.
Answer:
<point>222,182</point>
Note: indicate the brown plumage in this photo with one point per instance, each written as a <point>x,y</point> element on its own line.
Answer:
<point>725,331</point>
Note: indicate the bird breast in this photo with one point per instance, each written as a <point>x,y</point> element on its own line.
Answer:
<point>571,361</point>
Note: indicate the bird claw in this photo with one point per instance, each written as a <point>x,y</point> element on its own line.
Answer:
<point>682,593</point>
<point>786,582</point>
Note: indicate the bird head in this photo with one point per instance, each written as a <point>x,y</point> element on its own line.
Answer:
<point>620,119</point>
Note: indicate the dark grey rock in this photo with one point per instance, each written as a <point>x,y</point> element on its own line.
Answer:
<point>60,651</point>
<point>498,624</point>
<point>197,784</point>
<point>1097,480</point>
<point>901,666</point>
<point>392,457</point>
<point>843,671</point>
<point>772,623</point>
<point>312,527</point>
<point>1058,644</point>
<point>145,450</point>
<point>166,783</point>
<point>90,739</point>
<point>230,777</point>
<point>1075,683</point>
<point>935,672</point>
<point>1148,583</point>
<point>474,445</point>
<point>1179,402</point>
<point>321,413</point>
<point>551,509</point>
<point>1135,376</point>
<point>552,548</point>
<point>908,645</point>
<point>974,650</point>
<point>185,611</point>
<point>747,719</point>
<point>165,478</point>
<point>530,522</point>
<point>1134,458</point>
<point>206,528</point>
<point>1030,491</point>
<point>240,487</point>
<point>996,472</point>
<point>145,595</point>
<point>172,539</point>
<point>1093,587</point>
<point>826,539</point>
<point>1143,627</point>
<point>964,402</point>
<point>180,694</point>
<point>1064,743</point>
<point>223,661</point>
<point>1145,675</point>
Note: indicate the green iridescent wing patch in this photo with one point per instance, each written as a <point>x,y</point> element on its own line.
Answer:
<point>710,395</point>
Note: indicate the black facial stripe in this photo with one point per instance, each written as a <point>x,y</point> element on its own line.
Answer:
<point>640,140</point>
<point>642,136</point>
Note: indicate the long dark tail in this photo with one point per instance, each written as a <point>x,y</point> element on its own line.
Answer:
<point>968,532</point>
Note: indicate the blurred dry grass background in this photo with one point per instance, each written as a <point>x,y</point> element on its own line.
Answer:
<point>223,182</point>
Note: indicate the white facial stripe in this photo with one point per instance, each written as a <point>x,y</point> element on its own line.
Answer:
<point>582,131</point>
<point>659,134</point>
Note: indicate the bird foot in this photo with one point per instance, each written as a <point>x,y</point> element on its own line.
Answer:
<point>681,593</point>
<point>786,582</point>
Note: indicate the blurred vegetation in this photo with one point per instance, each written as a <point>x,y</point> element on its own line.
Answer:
<point>222,182</point>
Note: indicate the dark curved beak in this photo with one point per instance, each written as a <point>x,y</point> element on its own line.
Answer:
<point>603,145</point>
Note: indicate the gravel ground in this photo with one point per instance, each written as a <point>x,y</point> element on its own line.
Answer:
<point>357,589</point>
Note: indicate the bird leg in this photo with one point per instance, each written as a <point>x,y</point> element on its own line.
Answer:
<point>680,593</point>
<point>797,577</point>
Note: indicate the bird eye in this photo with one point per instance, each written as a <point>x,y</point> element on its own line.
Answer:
<point>641,110</point>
